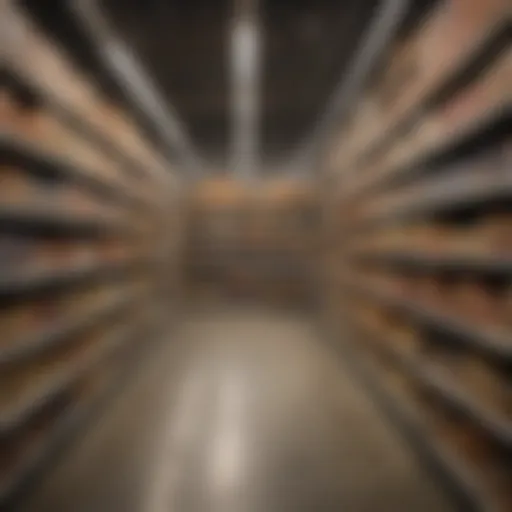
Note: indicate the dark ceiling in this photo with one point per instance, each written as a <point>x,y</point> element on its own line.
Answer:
<point>184,44</point>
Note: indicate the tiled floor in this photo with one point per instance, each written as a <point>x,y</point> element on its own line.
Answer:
<point>241,411</point>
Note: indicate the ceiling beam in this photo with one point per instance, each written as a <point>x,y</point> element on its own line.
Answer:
<point>245,54</point>
<point>379,33</point>
<point>138,86</point>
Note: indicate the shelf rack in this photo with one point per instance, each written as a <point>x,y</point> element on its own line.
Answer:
<point>90,218</point>
<point>493,340</point>
<point>460,482</point>
<point>438,260</point>
<point>16,149</point>
<point>443,386</point>
<point>418,229</point>
<point>93,396</point>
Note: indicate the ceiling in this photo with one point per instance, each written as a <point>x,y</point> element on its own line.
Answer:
<point>184,46</point>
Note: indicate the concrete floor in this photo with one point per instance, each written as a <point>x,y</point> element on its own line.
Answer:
<point>242,411</point>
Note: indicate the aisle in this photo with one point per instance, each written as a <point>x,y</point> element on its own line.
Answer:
<point>241,412</point>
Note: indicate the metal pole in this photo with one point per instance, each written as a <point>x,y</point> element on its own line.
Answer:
<point>140,89</point>
<point>377,37</point>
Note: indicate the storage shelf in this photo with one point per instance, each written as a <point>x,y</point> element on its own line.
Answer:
<point>60,332</point>
<point>435,380</point>
<point>454,190</point>
<point>40,393</point>
<point>460,481</point>
<point>492,341</point>
<point>64,110</point>
<point>65,428</point>
<point>453,261</point>
<point>57,220</point>
<point>71,98</point>
<point>494,38</point>
<point>418,193</point>
<point>493,422</point>
<point>44,448</point>
<point>89,217</point>
<point>13,144</point>
<point>20,283</point>
<point>418,162</point>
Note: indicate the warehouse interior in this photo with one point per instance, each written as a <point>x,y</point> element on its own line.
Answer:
<point>256,256</point>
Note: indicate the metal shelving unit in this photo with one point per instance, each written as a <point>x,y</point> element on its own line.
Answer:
<point>489,120</point>
<point>75,417</point>
<point>495,341</point>
<point>88,210</point>
<point>443,386</point>
<point>438,260</point>
<point>32,59</point>
<point>419,237</point>
<point>14,148</point>
<point>52,279</point>
<point>456,189</point>
<point>485,39</point>
<point>460,481</point>
<point>60,332</point>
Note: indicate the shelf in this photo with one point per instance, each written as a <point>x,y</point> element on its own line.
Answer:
<point>495,342</point>
<point>68,425</point>
<point>492,341</point>
<point>44,448</point>
<point>442,385</point>
<point>460,482</point>
<point>489,41</point>
<point>54,220</point>
<point>493,422</point>
<point>37,394</point>
<point>452,261</point>
<point>44,91</point>
<point>13,284</point>
<point>34,153</point>
<point>419,161</point>
<point>60,332</point>
<point>45,69</point>
<point>457,188</point>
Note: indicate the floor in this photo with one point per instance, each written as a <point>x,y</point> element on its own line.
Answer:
<point>241,411</point>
